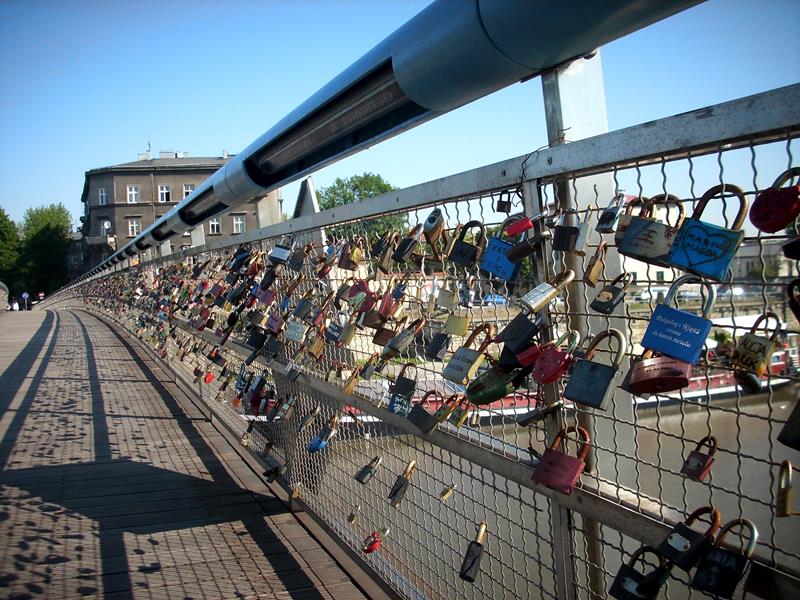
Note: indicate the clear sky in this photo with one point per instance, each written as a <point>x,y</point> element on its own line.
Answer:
<point>85,84</point>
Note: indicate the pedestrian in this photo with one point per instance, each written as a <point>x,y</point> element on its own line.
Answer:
<point>14,304</point>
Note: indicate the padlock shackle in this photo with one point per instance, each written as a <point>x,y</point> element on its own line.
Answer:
<point>768,315</point>
<point>716,519</point>
<point>510,220</point>
<point>634,202</point>
<point>666,200</point>
<point>710,299</point>
<point>416,325</point>
<point>786,176</point>
<point>748,550</point>
<point>471,225</point>
<point>785,476</point>
<point>622,345</point>
<point>404,367</point>
<point>375,461</point>
<point>601,250</point>
<point>424,399</point>
<point>571,335</point>
<point>625,278</point>
<point>488,329</point>
<point>562,280</point>
<point>409,470</point>
<point>584,439</point>
<point>480,535</point>
<point>721,190</point>
<point>640,552</point>
<point>709,441</point>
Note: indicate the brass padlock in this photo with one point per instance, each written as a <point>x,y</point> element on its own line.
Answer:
<point>754,352</point>
<point>596,267</point>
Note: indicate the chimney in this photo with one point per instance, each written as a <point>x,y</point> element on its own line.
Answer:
<point>224,154</point>
<point>144,155</point>
<point>167,154</point>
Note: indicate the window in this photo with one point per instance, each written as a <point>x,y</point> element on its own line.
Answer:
<point>104,226</point>
<point>238,224</point>
<point>188,188</point>
<point>102,198</point>
<point>164,193</point>
<point>634,277</point>
<point>133,194</point>
<point>660,276</point>
<point>213,226</point>
<point>134,227</point>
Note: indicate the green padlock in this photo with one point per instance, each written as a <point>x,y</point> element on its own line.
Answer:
<point>494,384</point>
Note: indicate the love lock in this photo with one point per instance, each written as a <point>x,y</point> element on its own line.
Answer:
<point>374,541</point>
<point>775,208</point>
<point>721,570</point>
<point>684,546</point>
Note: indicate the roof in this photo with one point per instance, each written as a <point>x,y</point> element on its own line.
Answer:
<point>191,162</point>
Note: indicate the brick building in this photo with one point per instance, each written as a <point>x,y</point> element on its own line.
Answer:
<point>122,200</point>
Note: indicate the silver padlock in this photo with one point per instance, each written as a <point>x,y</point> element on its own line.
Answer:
<point>542,294</point>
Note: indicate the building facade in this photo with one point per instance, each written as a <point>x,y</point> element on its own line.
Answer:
<point>122,200</point>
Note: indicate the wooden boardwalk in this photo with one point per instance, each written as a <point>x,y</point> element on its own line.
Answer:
<point>113,484</point>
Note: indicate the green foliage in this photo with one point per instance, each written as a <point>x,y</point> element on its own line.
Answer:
<point>354,189</point>
<point>42,264</point>
<point>9,249</point>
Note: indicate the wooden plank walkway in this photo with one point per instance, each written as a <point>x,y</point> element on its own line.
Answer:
<point>113,484</point>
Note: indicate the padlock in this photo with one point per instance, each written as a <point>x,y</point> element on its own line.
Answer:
<point>373,365</point>
<point>494,384</point>
<point>275,323</point>
<point>596,267</point>
<point>460,414</point>
<point>520,331</point>
<point>495,260</point>
<point>754,352</point>
<point>320,441</point>
<point>366,472</point>
<point>503,204</point>
<point>775,208</point>
<point>631,584</point>
<point>298,257</point>
<point>285,407</point>
<point>239,257</point>
<point>309,418</point>
<point>705,249</point>
<point>608,219</point>
<point>793,293</point>
<point>351,254</point>
<point>539,414</point>
<point>646,238</point>
<point>446,409</point>
<point>374,541</point>
<point>720,570</point>
<point>552,362</point>
<point>684,547</point>
<point>784,502</point>
<point>348,331</point>
<point>295,331</point>
<point>625,218</point>
<point>447,297</point>
<point>526,247</point>
<point>465,253</point>
<point>351,518</point>
<point>542,294</point>
<point>350,383</point>
<point>611,295</point>
<point>466,361</point>
<point>583,233</point>
<point>383,259</point>
<point>593,383</point>
<point>471,565</point>
<point>419,415</point>
<point>656,374</point>
<point>791,249</point>
<point>447,492</point>
<point>436,349</point>
<point>558,470</point>
<point>407,245</point>
<point>678,333</point>
<point>749,382</point>
<point>457,324</point>
<point>387,331</point>
<point>401,484</point>
<point>698,464</point>
<point>433,228</point>
<point>565,236</point>
<point>401,391</point>
<point>304,306</point>
<point>400,343</point>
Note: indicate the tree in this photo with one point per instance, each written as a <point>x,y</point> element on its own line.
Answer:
<point>354,189</point>
<point>9,249</point>
<point>45,243</point>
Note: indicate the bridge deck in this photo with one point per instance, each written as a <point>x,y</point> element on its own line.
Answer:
<point>114,485</point>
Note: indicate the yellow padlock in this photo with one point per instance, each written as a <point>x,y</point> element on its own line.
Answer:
<point>784,505</point>
<point>457,324</point>
<point>754,352</point>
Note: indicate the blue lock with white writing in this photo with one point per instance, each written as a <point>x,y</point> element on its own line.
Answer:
<point>705,249</point>
<point>494,259</point>
<point>320,441</point>
<point>677,333</point>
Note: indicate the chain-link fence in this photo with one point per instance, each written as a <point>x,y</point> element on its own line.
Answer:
<point>351,319</point>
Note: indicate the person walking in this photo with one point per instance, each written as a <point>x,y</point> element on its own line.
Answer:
<point>14,304</point>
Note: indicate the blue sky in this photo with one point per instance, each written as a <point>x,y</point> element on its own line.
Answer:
<point>88,84</point>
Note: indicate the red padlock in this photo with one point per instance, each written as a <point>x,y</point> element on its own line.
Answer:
<point>209,377</point>
<point>698,464</point>
<point>776,208</point>
<point>519,226</point>
<point>558,470</point>
<point>528,356</point>
<point>373,541</point>
<point>553,362</point>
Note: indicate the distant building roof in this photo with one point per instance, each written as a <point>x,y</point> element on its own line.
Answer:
<point>154,164</point>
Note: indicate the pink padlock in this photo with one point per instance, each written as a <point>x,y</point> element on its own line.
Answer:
<point>519,226</point>
<point>558,470</point>
<point>552,361</point>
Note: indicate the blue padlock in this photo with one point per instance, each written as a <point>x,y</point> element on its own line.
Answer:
<point>494,259</point>
<point>320,441</point>
<point>677,333</point>
<point>705,249</point>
